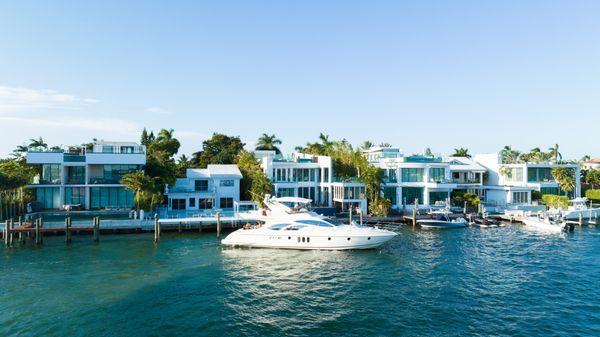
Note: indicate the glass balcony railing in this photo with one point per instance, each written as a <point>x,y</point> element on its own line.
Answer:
<point>102,180</point>
<point>73,158</point>
<point>37,180</point>
<point>466,181</point>
<point>441,181</point>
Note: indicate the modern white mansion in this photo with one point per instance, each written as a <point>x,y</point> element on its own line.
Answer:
<point>86,178</point>
<point>312,177</point>
<point>429,180</point>
<point>216,187</point>
<point>424,180</point>
<point>514,183</point>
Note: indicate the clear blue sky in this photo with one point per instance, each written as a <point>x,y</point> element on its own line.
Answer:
<point>439,74</point>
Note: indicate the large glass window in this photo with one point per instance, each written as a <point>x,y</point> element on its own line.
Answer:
<point>437,174</point>
<point>285,192</point>
<point>75,196</point>
<point>75,175</point>
<point>513,174</point>
<point>112,174</point>
<point>177,204</point>
<point>111,197</point>
<point>226,203</point>
<point>305,174</point>
<point>437,197</point>
<point>326,174</point>
<point>390,193</point>
<point>304,192</point>
<point>226,183</point>
<point>389,176</point>
<point>409,194</point>
<point>549,190</point>
<point>539,174</point>
<point>412,174</point>
<point>48,197</point>
<point>201,185</point>
<point>50,174</point>
<point>205,203</point>
<point>126,149</point>
<point>520,197</point>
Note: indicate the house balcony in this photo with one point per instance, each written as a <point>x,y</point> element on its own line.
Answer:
<point>37,180</point>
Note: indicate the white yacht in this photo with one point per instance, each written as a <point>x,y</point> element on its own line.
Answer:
<point>578,207</point>
<point>441,219</point>
<point>288,223</point>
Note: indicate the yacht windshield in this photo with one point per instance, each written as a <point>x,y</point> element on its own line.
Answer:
<point>278,226</point>
<point>321,223</point>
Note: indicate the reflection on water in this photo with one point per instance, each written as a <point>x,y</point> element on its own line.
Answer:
<point>493,281</point>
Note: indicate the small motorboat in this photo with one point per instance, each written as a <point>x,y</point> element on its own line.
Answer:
<point>485,222</point>
<point>546,223</point>
<point>441,219</point>
<point>577,209</point>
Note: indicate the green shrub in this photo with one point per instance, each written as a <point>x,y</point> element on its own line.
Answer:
<point>558,201</point>
<point>593,195</point>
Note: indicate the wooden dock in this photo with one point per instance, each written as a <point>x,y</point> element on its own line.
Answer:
<point>38,229</point>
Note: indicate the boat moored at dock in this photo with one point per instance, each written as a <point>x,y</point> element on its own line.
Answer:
<point>441,219</point>
<point>547,223</point>
<point>288,224</point>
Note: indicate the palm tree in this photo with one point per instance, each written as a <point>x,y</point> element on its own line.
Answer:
<point>165,135</point>
<point>554,154</point>
<point>183,163</point>
<point>325,142</point>
<point>38,143</point>
<point>461,152</point>
<point>268,142</point>
<point>299,149</point>
<point>367,144</point>
<point>385,144</point>
<point>510,156</point>
<point>137,182</point>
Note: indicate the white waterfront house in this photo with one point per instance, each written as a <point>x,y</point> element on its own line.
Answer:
<point>312,177</point>
<point>513,183</point>
<point>216,187</point>
<point>85,177</point>
<point>591,164</point>
<point>468,175</point>
<point>425,180</point>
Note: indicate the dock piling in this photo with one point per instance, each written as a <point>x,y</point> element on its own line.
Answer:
<point>11,234</point>
<point>68,230</point>
<point>5,232</point>
<point>360,214</point>
<point>96,229</point>
<point>218,224</point>
<point>580,219</point>
<point>414,216</point>
<point>38,231</point>
<point>156,228</point>
<point>21,237</point>
<point>350,215</point>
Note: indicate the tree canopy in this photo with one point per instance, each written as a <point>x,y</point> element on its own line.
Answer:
<point>255,183</point>
<point>219,149</point>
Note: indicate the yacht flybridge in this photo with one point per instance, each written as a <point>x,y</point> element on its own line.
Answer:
<point>288,223</point>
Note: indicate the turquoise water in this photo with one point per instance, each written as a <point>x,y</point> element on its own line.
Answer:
<point>497,281</point>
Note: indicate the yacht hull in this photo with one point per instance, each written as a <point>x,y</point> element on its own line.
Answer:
<point>440,224</point>
<point>306,241</point>
<point>536,224</point>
